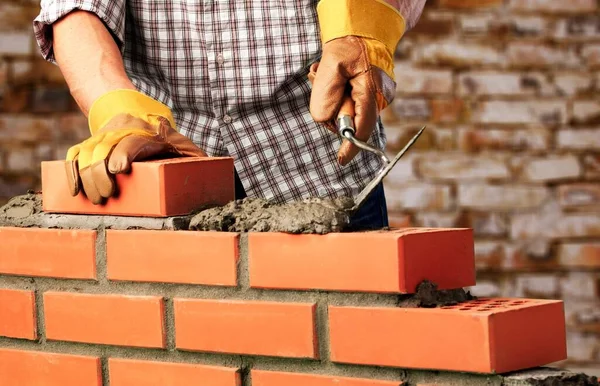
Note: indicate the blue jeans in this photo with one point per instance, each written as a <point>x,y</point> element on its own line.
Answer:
<point>371,215</point>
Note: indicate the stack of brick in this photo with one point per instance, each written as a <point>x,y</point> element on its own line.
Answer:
<point>509,91</point>
<point>128,303</point>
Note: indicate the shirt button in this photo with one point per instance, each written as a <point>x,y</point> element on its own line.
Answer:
<point>220,59</point>
<point>227,119</point>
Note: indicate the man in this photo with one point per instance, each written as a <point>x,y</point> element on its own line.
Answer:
<point>258,80</point>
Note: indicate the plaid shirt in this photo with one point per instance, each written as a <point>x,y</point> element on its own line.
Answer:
<point>235,75</point>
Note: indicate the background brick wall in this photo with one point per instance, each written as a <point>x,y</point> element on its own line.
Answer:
<point>509,91</point>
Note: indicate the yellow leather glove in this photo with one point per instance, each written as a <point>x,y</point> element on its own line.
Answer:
<point>359,40</point>
<point>125,126</point>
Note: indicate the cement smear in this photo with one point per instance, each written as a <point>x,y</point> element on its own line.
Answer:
<point>428,296</point>
<point>549,377</point>
<point>257,215</point>
<point>26,211</point>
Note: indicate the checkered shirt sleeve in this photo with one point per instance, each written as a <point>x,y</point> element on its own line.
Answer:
<point>111,12</point>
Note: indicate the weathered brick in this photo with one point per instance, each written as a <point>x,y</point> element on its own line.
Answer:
<point>458,54</point>
<point>586,112</point>
<point>581,346</point>
<point>476,24</point>
<point>47,100</point>
<point>591,166</point>
<point>580,139</point>
<point>121,320</point>
<point>470,4</point>
<point>526,26</point>
<point>585,315</point>
<point>539,286</point>
<point>73,127</point>
<point>511,112</point>
<point>555,225</point>
<point>462,167</point>
<point>17,127</point>
<point>494,83</point>
<point>579,285</point>
<point>447,110</point>
<point>16,16</point>
<point>418,196</point>
<point>412,80</point>
<point>573,83</point>
<point>535,55</point>
<point>16,43</point>
<point>411,109</point>
<point>433,24</point>
<point>579,255</point>
<point>21,160</point>
<point>485,288</point>
<point>404,170</point>
<point>579,194</point>
<point>553,6</point>
<point>552,168</point>
<point>534,139</point>
<point>246,327</point>
<point>581,27</point>
<point>488,224</point>
<point>501,255</point>
<point>591,55</point>
<point>503,197</point>
<point>432,138</point>
<point>33,368</point>
<point>437,219</point>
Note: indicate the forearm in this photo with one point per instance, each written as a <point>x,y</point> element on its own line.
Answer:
<point>410,9</point>
<point>88,57</point>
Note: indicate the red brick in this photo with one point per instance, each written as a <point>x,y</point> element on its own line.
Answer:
<point>30,368</point>
<point>482,336</point>
<point>381,261</point>
<point>159,188</point>
<point>277,378</point>
<point>246,327</point>
<point>17,314</point>
<point>470,3</point>
<point>69,254</point>
<point>200,257</point>
<point>129,372</point>
<point>105,319</point>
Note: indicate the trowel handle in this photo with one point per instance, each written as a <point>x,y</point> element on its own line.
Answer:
<point>346,117</point>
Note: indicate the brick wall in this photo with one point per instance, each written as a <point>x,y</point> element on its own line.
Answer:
<point>509,90</point>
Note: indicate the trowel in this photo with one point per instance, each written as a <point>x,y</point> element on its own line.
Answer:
<point>346,129</point>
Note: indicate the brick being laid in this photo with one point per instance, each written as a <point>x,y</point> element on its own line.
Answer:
<point>487,335</point>
<point>156,188</point>
<point>393,261</point>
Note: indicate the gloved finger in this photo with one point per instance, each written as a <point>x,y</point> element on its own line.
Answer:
<point>133,148</point>
<point>103,180</point>
<point>89,186</point>
<point>184,146</point>
<point>328,89</point>
<point>365,119</point>
<point>72,170</point>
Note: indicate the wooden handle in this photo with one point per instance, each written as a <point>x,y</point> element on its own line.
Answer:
<point>347,107</point>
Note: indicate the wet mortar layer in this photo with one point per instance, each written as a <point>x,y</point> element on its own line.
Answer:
<point>314,216</point>
<point>317,216</point>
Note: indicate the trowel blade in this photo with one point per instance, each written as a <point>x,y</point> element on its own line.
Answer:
<point>364,194</point>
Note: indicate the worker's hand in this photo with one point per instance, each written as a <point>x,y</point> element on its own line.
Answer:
<point>126,126</point>
<point>359,39</point>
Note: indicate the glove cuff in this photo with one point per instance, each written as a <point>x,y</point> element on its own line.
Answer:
<point>373,19</point>
<point>126,101</point>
